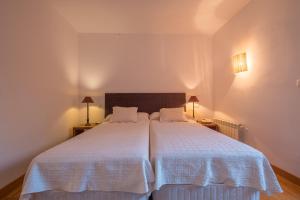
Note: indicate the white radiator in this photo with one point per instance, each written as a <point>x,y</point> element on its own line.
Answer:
<point>228,128</point>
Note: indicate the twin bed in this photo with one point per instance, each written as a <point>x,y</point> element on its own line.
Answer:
<point>131,161</point>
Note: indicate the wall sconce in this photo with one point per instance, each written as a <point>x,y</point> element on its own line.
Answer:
<point>240,63</point>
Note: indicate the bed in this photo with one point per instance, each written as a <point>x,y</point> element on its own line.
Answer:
<point>190,162</point>
<point>193,162</point>
<point>110,161</point>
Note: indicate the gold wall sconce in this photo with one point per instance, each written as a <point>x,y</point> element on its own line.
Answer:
<point>239,62</point>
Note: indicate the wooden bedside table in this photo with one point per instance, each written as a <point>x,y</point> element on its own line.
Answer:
<point>80,129</point>
<point>210,125</point>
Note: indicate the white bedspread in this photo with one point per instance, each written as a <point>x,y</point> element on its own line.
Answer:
<point>188,153</point>
<point>109,157</point>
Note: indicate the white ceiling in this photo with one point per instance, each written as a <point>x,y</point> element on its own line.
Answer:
<point>148,16</point>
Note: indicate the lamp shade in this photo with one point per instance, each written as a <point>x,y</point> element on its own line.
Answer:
<point>87,100</point>
<point>193,99</point>
<point>240,63</point>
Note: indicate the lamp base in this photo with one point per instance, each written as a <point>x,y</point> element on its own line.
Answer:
<point>87,124</point>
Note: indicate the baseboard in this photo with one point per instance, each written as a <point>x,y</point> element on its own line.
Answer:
<point>292,178</point>
<point>10,187</point>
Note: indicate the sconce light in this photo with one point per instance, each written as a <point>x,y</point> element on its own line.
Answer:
<point>240,63</point>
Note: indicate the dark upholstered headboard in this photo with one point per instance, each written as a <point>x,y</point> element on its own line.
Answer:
<point>146,102</point>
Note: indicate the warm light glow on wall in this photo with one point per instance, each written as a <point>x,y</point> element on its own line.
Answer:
<point>96,114</point>
<point>240,63</point>
<point>200,111</point>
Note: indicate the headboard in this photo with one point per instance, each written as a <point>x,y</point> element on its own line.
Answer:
<point>146,102</point>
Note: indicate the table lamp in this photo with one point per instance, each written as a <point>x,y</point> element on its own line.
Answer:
<point>193,99</point>
<point>87,100</point>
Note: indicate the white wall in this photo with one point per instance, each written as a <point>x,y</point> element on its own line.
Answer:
<point>265,98</point>
<point>144,63</point>
<point>38,83</point>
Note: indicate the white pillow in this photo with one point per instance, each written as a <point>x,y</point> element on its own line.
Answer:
<point>124,114</point>
<point>172,115</point>
<point>143,116</point>
<point>107,118</point>
<point>140,116</point>
<point>154,116</point>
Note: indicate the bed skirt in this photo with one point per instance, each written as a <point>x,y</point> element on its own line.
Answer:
<point>214,192</point>
<point>87,195</point>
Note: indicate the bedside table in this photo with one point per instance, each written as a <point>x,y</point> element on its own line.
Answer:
<point>210,125</point>
<point>80,129</point>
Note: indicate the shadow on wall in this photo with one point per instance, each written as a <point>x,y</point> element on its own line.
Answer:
<point>212,15</point>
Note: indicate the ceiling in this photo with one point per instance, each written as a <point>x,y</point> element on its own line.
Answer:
<point>148,16</point>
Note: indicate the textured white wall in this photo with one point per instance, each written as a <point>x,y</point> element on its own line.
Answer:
<point>145,63</point>
<point>265,98</point>
<point>38,83</point>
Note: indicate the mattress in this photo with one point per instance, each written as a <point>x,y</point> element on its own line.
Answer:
<point>212,192</point>
<point>189,153</point>
<point>110,157</point>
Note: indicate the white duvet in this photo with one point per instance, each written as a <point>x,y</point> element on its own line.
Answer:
<point>188,153</point>
<point>109,157</point>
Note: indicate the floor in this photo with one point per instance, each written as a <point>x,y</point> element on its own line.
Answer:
<point>291,192</point>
